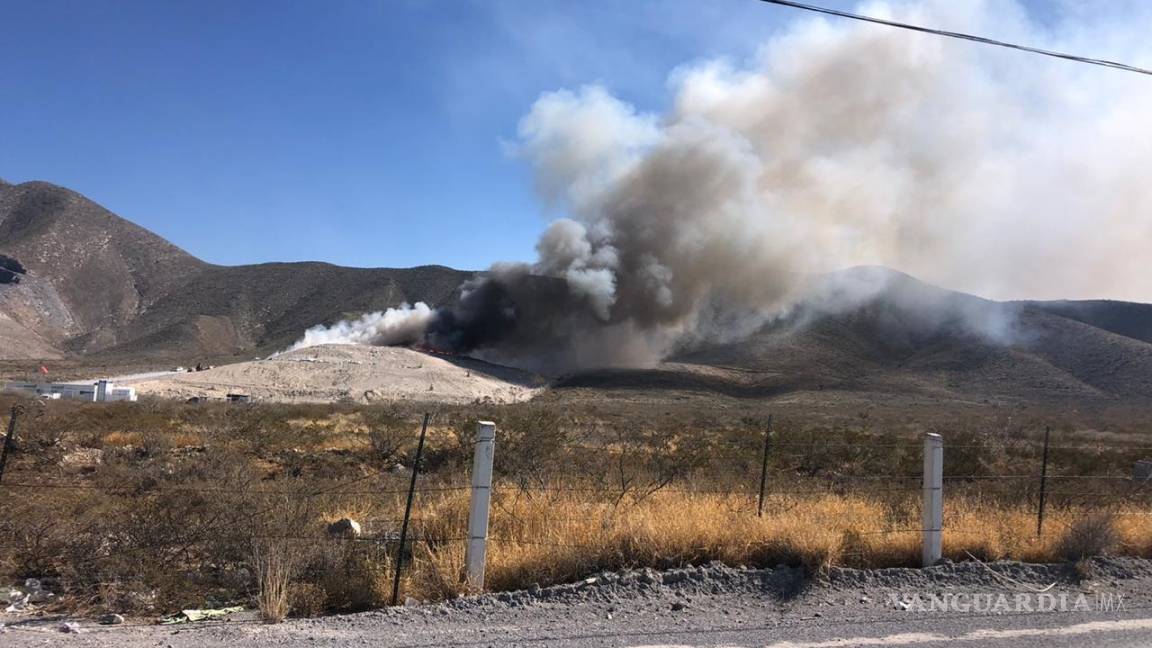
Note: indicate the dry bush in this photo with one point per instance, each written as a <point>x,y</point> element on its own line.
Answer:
<point>307,600</point>
<point>438,572</point>
<point>276,562</point>
<point>353,576</point>
<point>1092,534</point>
<point>280,546</point>
<point>389,435</point>
<point>1136,540</point>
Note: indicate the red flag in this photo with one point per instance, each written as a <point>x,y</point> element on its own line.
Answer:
<point>43,369</point>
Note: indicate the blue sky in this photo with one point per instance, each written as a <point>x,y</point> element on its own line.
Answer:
<point>367,133</point>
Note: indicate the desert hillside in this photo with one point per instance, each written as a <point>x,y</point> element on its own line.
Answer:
<point>95,284</point>
<point>911,340</point>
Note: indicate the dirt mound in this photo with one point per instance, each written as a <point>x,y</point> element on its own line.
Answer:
<point>350,372</point>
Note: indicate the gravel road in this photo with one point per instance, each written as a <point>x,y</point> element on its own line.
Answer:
<point>999,604</point>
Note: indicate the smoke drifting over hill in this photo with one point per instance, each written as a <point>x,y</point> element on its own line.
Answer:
<point>396,326</point>
<point>841,144</point>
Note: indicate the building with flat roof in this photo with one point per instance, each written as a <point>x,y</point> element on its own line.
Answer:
<point>99,391</point>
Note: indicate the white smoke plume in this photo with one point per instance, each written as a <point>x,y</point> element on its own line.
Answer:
<point>980,169</point>
<point>395,326</point>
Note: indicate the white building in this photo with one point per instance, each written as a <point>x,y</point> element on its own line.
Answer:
<point>100,391</point>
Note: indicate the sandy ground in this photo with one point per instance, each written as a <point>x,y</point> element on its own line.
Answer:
<point>349,372</point>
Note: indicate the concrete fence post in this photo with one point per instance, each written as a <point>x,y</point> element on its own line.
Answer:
<point>477,551</point>
<point>932,511</point>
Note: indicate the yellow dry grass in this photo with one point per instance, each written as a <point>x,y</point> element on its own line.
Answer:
<point>560,537</point>
<point>336,422</point>
<point>175,439</point>
<point>186,439</point>
<point>122,439</point>
<point>345,442</point>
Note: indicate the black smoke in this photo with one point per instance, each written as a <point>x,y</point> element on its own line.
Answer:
<point>513,316</point>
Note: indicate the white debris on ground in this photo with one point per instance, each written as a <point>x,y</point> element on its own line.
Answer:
<point>26,598</point>
<point>343,372</point>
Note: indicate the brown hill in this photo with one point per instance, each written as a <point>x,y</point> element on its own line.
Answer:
<point>1123,318</point>
<point>93,283</point>
<point>902,337</point>
<point>87,272</point>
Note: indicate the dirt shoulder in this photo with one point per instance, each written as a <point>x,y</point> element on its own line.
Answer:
<point>710,605</point>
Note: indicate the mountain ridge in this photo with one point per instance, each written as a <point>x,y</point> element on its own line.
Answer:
<point>93,285</point>
<point>97,284</point>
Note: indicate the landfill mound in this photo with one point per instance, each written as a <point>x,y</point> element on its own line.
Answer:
<point>334,372</point>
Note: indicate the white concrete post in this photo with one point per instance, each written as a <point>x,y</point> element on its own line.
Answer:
<point>477,551</point>
<point>932,512</point>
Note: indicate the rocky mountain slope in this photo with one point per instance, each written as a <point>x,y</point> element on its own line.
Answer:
<point>96,284</point>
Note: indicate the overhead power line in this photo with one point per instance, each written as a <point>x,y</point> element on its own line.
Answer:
<point>962,36</point>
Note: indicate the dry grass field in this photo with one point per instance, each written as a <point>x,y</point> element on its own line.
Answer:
<point>156,506</point>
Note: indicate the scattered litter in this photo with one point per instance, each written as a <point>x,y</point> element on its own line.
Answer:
<point>191,616</point>
<point>33,593</point>
<point>17,602</point>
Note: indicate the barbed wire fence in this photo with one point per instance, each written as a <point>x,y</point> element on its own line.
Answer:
<point>759,477</point>
<point>786,470</point>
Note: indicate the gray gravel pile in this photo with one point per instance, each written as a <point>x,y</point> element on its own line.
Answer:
<point>608,587</point>
<point>785,583</point>
<point>990,575</point>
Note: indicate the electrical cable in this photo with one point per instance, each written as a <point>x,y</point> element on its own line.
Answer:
<point>962,36</point>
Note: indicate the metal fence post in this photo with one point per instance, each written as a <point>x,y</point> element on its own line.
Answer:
<point>932,511</point>
<point>10,438</point>
<point>764,467</point>
<point>408,510</point>
<point>477,551</point>
<point>1043,484</point>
